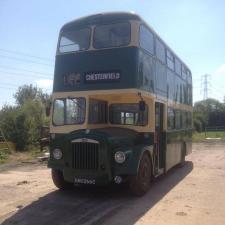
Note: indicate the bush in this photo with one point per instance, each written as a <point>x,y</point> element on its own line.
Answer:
<point>198,125</point>
<point>4,154</point>
<point>20,123</point>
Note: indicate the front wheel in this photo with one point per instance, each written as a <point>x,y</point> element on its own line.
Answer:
<point>140,183</point>
<point>58,180</point>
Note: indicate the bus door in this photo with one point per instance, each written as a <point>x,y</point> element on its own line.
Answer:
<point>159,138</point>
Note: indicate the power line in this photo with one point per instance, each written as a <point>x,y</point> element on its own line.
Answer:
<point>218,88</point>
<point>12,85</point>
<point>30,71</point>
<point>23,75</point>
<point>25,54</point>
<point>10,88</point>
<point>24,60</point>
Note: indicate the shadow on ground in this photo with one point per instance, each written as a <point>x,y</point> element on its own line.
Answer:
<point>96,205</point>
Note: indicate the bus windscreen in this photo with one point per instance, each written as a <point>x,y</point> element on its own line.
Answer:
<point>75,40</point>
<point>111,35</point>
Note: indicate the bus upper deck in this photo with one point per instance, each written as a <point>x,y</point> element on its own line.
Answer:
<point>119,51</point>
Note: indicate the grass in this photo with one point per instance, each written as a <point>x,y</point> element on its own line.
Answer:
<point>5,151</point>
<point>11,155</point>
<point>4,155</point>
<point>198,137</point>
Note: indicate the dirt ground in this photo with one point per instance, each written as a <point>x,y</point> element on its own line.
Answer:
<point>194,194</point>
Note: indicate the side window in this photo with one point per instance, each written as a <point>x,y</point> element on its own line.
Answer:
<point>184,119</point>
<point>97,111</point>
<point>181,93</point>
<point>177,66</point>
<point>146,39</point>
<point>189,120</point>
<point>160,51</point>
<point>171,119</point>
<point>189,88</point>
<point>189,79</point>
<point>170,59</point>
<point>177,120</point>
<point>184,72</point>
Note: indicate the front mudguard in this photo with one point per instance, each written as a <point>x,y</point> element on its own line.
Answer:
<point>131,164</point>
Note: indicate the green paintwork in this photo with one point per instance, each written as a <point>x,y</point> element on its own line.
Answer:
<point>138,69</point>
<point>123,60</point>
<point>111,140</point>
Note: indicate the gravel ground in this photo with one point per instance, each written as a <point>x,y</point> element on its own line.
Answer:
<point>194,194</point>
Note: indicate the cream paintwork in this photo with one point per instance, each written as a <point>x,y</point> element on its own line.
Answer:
<point>115,96</point>
<point>173,154</point>
<point>111,96</point>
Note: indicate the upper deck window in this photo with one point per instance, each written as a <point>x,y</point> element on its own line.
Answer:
<point>111,35</point>
<point>170,59</point>
<point>184,72</point>
<point>146,39</point>
<point>177,66</point>
<point>75,40</point>
<point>160,51</point>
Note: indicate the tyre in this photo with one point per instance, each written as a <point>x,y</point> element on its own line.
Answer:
<point>58,180</point>
<point>140,183</point>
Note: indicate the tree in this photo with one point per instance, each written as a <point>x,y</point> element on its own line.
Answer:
<point>208,112</point>
<point>29,92</point>
<point>20,123</point>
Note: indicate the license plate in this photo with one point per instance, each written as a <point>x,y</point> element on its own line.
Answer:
<point>83,181</point>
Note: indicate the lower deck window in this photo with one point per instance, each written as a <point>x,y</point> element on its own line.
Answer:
<point>128,114</point>
<point>97,111</point>
<point>68,111</point>
<point>171,119</point>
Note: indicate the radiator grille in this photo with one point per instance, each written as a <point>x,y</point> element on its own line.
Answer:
<point>85,155</point>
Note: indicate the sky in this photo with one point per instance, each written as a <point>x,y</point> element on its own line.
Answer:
<point>194,29</point>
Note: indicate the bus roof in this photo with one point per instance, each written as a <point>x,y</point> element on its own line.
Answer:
<point>101,18</point>
<point>109,17</point>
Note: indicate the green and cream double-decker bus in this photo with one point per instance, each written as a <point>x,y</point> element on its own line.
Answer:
<point>122,104</point>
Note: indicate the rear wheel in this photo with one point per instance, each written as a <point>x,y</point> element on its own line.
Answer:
<point>58,180</point>
<point>140,183</point>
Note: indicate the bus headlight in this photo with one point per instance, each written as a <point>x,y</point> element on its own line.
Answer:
<point>57,153</point>
<point>120,157</point>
